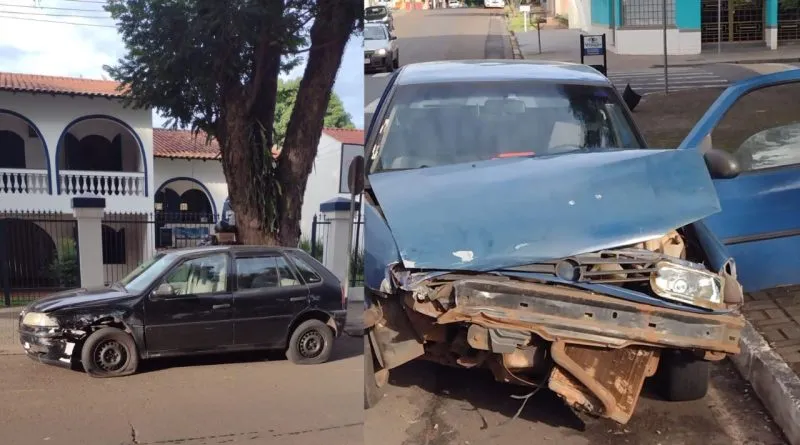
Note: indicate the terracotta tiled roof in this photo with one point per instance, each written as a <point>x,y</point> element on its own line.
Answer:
<point>345,136</point>
<point>34,83</point>
<point>183,144</point>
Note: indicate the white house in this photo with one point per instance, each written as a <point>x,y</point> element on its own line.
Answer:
<point>62,138</point>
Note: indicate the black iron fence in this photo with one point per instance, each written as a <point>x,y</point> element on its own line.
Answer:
<point>130,239</point>
<point>38,255</point>
<point>316,245</point>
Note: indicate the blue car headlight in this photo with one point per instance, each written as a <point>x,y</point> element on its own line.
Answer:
<point>688,285</point>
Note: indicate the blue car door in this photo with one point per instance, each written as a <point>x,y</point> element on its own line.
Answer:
<point>758,121</point>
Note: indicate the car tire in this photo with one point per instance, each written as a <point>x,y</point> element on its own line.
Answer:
<point>109,352</point>
<point>397,61</point>
<point>682,378</point>
<point>390,64</point>
<point>372,393</point>
<point>311,343</point>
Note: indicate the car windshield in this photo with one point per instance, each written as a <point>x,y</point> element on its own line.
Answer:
<point>140,278</point>
<point>374,33</point>
<point>375,13</point>
<point>429,125</point>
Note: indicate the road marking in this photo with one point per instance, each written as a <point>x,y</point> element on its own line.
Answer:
<point>644,82</point>
<point>370,108</point>
<point>768,68</point>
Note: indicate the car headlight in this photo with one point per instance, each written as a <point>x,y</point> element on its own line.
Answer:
<point>39,320</point>
<point>687,285</point>
<point>382,52</point>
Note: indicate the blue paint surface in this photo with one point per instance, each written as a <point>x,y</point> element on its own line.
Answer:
<point>601,12</point>
<point>771,13</point>
<point>379,248</point>
<point>502,213</point>
<point>758,203</point>
<point>687,14</point>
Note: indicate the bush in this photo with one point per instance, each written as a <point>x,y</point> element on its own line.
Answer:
<point>305,244</point>
<point>65,268</point>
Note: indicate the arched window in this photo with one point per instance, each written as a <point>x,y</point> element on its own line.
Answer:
<point>12,150</point>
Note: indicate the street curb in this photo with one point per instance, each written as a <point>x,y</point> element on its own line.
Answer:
<point>516,53</point>
<point>8,310</point>
<point>773,381</point>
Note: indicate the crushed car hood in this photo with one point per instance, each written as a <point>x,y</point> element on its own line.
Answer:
<point>500,213</point>
<point>75,298</point>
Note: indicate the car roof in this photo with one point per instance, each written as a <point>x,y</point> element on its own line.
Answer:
<point>187,251</point>
<point>500,70</point>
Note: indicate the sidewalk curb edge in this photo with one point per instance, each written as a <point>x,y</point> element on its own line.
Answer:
<point>774,382</point>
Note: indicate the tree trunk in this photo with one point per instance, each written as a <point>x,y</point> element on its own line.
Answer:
<point>333,25</point>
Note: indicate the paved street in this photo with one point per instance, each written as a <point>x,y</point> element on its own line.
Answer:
<point>441,34</point>
<point>433,405</point>
<point>232,399</point>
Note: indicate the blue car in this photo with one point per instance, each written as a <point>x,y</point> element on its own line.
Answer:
<point>516,220</point>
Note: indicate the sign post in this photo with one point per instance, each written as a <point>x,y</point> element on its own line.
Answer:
<point>525,10</point>
<point>666,71</point>
<point>594,45</point>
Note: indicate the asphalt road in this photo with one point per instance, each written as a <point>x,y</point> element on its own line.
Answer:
<point>427,404</point>
<point>441,34</point>
<point>249,399</point>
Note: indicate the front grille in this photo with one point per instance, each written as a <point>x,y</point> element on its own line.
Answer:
<point>368,54</point>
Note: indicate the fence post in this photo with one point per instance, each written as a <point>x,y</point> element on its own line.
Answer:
<point>89,215</point>
<point>336,252</point>
<point>5,279</point>
<point>314,236</point>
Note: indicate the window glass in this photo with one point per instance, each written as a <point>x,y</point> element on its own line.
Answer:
<point>204,275</point>
<point>306,270</point>
<point>257,273</point>
<point>142,277</point>
<point>287,277</point>
<point>762,129</point>
<point>430,125</point>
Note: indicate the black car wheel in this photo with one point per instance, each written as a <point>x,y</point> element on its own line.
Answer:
<point>389,63</point>
<point>109,352</point>
<point>682,377</point>
<point>311,343</point>
<point>397,60</point>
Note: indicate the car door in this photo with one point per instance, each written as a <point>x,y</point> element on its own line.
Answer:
<point>758,122</point>
<point>197,315</point>
<point>268,296</point>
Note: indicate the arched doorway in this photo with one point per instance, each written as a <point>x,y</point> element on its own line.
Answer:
<point>24,159</point>
<point>29,255</point>
<point>184,212</point>
<point>101,155</point>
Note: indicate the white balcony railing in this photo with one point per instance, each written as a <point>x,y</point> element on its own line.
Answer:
<point>19,181</point>
<point>77,182</point>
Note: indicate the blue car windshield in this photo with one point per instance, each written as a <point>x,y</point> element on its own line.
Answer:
<point>429,125</point>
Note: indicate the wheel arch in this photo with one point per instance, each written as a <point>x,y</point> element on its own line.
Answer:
<point>311,314</point>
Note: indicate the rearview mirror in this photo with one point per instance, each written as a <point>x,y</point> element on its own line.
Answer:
<point>355,176</point>
<point>721,164</point>
<point>164,290</point>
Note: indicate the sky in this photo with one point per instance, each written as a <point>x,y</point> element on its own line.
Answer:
<point>75,38</point>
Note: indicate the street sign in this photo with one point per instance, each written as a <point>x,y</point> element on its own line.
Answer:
<point>524,8</point>
<point>594,45</point>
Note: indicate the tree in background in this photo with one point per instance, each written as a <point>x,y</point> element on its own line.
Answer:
<point>214,66</point>
<point>335,117</point>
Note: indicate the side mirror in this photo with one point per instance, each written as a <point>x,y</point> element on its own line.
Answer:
<point>392,37</point>
<point>355,176</point>
<point>721,164</point>
<point>164,290</point>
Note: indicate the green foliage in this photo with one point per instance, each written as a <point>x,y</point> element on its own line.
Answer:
<point>335,117</point>
<point>305,244</point>
<point>356,268</point>
<point>65,268</point>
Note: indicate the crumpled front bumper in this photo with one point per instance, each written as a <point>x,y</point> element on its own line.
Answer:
<point>47,346</point>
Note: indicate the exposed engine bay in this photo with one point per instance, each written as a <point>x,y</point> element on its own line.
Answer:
<point>564,325</point>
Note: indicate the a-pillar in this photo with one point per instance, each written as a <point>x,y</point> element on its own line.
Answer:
<point>89,215</point>
<point>771,23</point>
<point>336,253</point>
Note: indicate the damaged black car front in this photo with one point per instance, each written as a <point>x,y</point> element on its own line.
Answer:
<point>524,227</point>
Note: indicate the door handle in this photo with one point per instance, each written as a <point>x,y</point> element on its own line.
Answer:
<point>220,306</point>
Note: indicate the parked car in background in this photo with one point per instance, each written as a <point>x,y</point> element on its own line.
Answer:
<point>380,48</point>
<point>453,4</point>
<point>192,301</point>
<point>494,4</point>
<point>540,238</point>
<point>379,14</point>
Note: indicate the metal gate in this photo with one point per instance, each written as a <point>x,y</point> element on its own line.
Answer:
<point>38,256</point>
<point>744,23</point>
<point>788,23</point>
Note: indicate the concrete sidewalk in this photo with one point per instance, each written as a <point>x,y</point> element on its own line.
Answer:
<point>564,45</point>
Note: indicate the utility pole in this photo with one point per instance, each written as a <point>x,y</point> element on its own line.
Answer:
<point>719,26</point>
<point>666,71</point>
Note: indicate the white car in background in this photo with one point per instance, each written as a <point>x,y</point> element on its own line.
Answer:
<point>380,48</point>
<point>453,4</point>
<point>494,4</point>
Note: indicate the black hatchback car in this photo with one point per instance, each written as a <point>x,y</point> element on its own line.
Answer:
<point>192,301</point>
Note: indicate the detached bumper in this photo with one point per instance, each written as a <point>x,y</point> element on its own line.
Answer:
<point>47,347</point>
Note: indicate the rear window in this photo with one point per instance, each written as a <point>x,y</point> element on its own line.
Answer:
<point>307,272</point>
<point>374,13</point>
